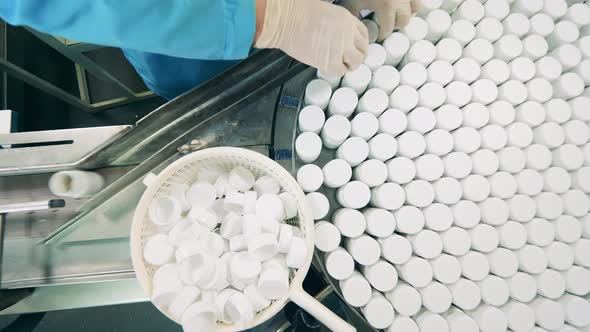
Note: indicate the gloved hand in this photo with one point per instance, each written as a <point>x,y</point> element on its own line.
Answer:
<point>319,34</point>
<point>390,14</point>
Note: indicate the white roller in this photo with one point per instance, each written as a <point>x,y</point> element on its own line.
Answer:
<point>542,25</point>
<point>405,299</point>
<point>494,211</point>
<point>336,173</point>
<point>565,32</point>
<point>409,220</point>
<point>390,196</point>
<point>439,142</point>
<point>516,24</point>
<point>310,177</point>
<point>466,139</point>
<point>357,79</point>
<point>422,119</point>
<point>413,74</point>
<point>549,134</point>
<point>431,95</point>
<point>475,188</point>
<point>519,135</point>
<point>550,284</point>
<point>378,311</point>
<point>484,238</point>
<point>494,291</point>
<point>567,229</point>
<point>447,190</point>
<point>382,147</point>
<point>558,111</point>
<point>395,249</point>
<point>527,7</point>
<point>429,167</point>
<point>489,29</point>
<point>354,151</point>
<point>560,256</point>
<point>502,185</point>
<point>579,14</point>
<point>356,290</point>
<point>439,23</point>
<point>568,157</point>
<point>534,47</point>
<point>372,172</point>
<point>529,182</point>
<point>503,263</point>
<point>393,122</point>
<point>449,50</point>
<point>411,144</point>
<point>463,31</point>
<point>579,107</point>
<point>449,117</point>
<point>438,217</point>
<point>343,102</point>
<point>457,165</point>
<point>474,266</point>
<point>513,235</point>
<point>548,314</point>
<point>373,101</point>
<point>401,170</point>
<point>354,195</point>
<point>480,50</point>
<point>485,162</point>
<point>385,78</point>
<point>556,9</point>
<point>456,241</point>
<point>467,70</point>
<point>523,287</point>
<point>426,244</point>
<point>576,310</point>
<point>539,90</point>
<point>466,214</point>
<point>339,264</point>
<point>436,297</point>
<point>512,91</point>
<point>380,222</point>
<point>336,130</point>
<point>308,147</point>
<point>496,70</point>
<point>364,125</point>
<point>364,249</point>
<point>520,316</point>
<point>422,52</point>
<point>568,55</point>
<point>415,30</point>
<point>458,93</point>
<point>404,98</point>
<point>416,272</point>
<point>470,10</point>
<point>576,280</point>
<point>440,72</point>
<point>397,44</point>
<point>556,180</point>
<point>318,92</point>
<point>465,293</point>
<point>446,269</point>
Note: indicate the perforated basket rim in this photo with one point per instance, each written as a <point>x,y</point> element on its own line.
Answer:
<point>305,217</point>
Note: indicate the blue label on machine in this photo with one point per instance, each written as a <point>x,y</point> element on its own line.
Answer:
<point>290,102</point>
<point>283,154</point>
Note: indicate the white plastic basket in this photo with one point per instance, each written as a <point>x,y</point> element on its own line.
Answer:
<point>185,170</point>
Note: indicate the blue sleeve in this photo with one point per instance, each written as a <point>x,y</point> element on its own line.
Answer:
<point>193,29</point>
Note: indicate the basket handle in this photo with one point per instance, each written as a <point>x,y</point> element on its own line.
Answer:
<point>319,311</point>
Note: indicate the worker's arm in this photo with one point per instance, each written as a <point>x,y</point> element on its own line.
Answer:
<point>197,29</point>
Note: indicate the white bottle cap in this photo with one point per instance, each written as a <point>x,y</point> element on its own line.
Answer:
<point>358,79</point>
<point>449,50</point>
<point>405,299</point>
<point>354,151</point>
<point>512,234</point>
<point>548,314</point>
<point>549,205</point>
<point>550,284</point>
<point>489,29</point>
<point>450,117</point>
<point>494,291</point>
<point>158,250</point>
<point>447,190</point>
<point>378,311</point>
<point>380,222</point>
<point>484,238</point>
<point>422,52</point>
<point>565,32</point>
<point>457,165</point>
<point>556,180</point>
<point>512,159</point>
<point>502,185</point>
<point>381,275</point>
<point>372,172</point>
<point>458,93</point>
<point>466,214</point>
<point>319,205</point>
<point>336,130</point>
<point>403,323</point>
<point>508,47</point>
<point>514,92</point>
<point>470,10</point>
<point>385,78</point>
<point>579,14</point>
<point>484,91</point>
<point>532,259</point>
<point>364,249</point>
<point>493,137</point>
<point>404,98</point>
<point>503,263</point>
<point>529,182</point>
<point>409,219</point>
<point>568,55</point>
<point>397,44</point>
<point>416,29</point>
<point>538,157</point>
<point>375,56</point>
<point>496,71</point>
<point>523,287</point>
<point>343,102</point>
<point>310,177</point>
<point>576,310</point>
<point>520,316</point>
<point>441,72</point>
<point>382,147</point>
<point>558,111</point>
<point>416,272</point>
<point>446,269</point>
<point>467,70</point>
<point>531,113</point>
<point>519,135</point>
<point>364,125</point>
<point>456,241</point>
<point>350,223</point>
<point>354,195</point>
<point>475,115</point>
<point>583,45</point>
<point>339,264</point>
<point>356,290</point>
<point>426,244</point>
<point>429,167</point>
<point>494,211</point>
<point>439,21</point>
<point>462,31</point>
<point>395,248</point>
<point>567,229</point>
<point>534,47</point>
<point>579,107</point>
<point>474,266</point>
<point>465,293</point>
<point>577,281</point>
<point>401,170</point>
<point>422,119</point>
<point>413,74</point>
<point>516,24</point>
<point>389,196</point>
<point>374,101</point>
<point>527,7</point>
<point>501,113</point>
<point>327,236</point>
<point>439,142</point>
<point>393,122</point>
<point>568,156</point>
<point>475,188</point>
<point>411,144</point>
<point>542,25</point>
<point>311,118</point>
<point>560,256</point>
<point>485,162</point>
<point>431,95</point>
<point>318,93</point>
<point>581,179</point>
<point>333,80</point>
<point>467,139</point>
<point>548,68</point>
<point>522,69</point>
<point>576,132</point>
<point>459,321</point>
<point>540,232</point>
<point>568,86</point>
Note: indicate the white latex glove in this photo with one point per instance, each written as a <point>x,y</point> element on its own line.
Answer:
<point>390,14</point>
<point>322,35</point>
